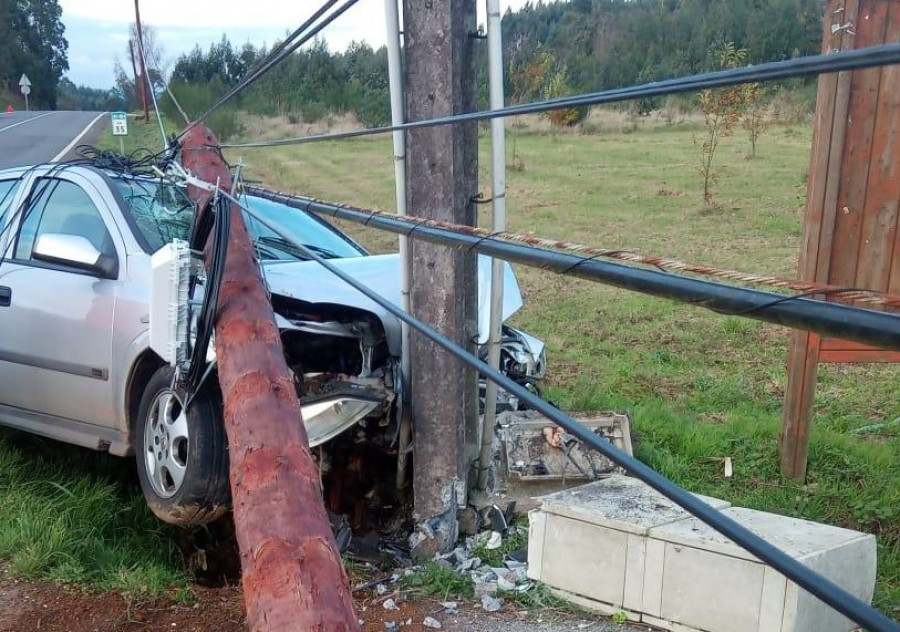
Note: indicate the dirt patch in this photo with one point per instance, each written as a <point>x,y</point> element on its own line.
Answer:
<point>33,607</point>
<point>43,607</point>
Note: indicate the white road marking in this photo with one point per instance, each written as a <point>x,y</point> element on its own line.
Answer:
<point>28,120</point>
<point>77,138</point>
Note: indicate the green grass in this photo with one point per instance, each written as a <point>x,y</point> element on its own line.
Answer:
<point>141,135</point>
<point>698,386</point>
<point>75,516</point>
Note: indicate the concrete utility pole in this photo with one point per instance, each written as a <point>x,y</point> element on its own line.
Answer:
<point>442,177</point>
<point>145,80</point>
<point>291,571</point>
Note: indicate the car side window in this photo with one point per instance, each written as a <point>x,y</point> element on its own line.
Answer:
<point>7,193</point>
<point>61,207</point>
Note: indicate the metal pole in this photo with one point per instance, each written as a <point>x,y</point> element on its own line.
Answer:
<point>498,223</point>
<point>395,78</point>
<point>27,109</point>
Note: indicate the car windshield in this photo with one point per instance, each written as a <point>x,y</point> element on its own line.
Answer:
<point>162,212</point>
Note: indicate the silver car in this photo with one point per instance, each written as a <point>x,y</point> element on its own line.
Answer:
<point>82,252</point>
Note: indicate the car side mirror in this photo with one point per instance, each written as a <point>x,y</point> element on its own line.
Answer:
<point>75,251</point>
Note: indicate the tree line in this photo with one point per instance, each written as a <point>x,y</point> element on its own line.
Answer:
<point>604,44</point>
<point>551,49</point>
<point>32,42</point>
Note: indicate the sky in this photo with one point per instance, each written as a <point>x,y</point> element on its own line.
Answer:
<point>97,30</point>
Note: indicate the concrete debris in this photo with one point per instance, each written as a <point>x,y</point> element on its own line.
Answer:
<point>485,588</point>
<point>380,589</point>
<point>491,604</point>
<point>390,604</point>
<point>390,626</point>
<point>432,623</point>
<point>512,576</point>
<point>450,607</point>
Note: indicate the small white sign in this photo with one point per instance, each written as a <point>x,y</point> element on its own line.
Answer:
<point>119,123</point>
<point>24,82</point>
<point>26,90</point>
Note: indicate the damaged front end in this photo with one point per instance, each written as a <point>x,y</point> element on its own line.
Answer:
<point>523,359</point>
<point>341,367</point>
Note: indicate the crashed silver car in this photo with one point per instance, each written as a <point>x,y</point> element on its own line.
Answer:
<point>84,259</point>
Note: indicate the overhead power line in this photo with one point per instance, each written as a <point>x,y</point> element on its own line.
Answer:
<point>295,40</point>
<point>803,66</point>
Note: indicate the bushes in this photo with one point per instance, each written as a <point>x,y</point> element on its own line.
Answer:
<point>195,98</point>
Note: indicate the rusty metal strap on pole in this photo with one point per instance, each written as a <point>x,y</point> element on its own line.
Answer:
<point>830,319</point>
<point>825,590</point>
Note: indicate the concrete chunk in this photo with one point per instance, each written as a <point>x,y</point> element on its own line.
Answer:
<point>618,545</point>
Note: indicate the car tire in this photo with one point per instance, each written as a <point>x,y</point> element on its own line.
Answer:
<point>182,458</point>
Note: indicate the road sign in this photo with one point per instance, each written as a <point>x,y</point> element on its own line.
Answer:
<point>25,86</point>
<point>119,123</point>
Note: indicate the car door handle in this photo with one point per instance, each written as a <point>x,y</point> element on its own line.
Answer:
<point>5,296</point>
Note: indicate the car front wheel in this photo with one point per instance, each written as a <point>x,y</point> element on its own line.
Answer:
<point>182,455</point>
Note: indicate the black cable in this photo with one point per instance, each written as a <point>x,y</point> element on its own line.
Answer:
<point>820,587</point>
<point>833,319</point>
<point>209,311</point>
<point>255,72</point>
<point>811,65</point>
<point>278,54</point>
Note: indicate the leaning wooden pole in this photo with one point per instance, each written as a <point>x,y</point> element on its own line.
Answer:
<point>292,573</point>
<point>145,80</point>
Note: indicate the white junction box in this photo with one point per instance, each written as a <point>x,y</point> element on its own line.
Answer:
<point>617,545</point>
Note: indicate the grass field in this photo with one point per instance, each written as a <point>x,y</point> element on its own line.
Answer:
<point>699,387</point>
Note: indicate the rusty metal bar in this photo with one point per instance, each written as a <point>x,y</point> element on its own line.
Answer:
<point>830,319</point>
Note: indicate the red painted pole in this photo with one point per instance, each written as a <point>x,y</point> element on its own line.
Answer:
<point>292,578</point>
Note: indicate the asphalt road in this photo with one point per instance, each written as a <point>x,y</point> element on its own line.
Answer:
<point>28,138</point>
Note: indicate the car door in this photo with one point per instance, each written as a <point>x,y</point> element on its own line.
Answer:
<point>56,318</point>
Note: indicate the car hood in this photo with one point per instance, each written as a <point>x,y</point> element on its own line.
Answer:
<point>308,281</point>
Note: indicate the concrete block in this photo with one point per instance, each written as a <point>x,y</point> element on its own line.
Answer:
<point>654,562</point>
<point>710,591</point>
<point>616,545</point>
<point>635,560</point>
<point>584,559</point>
<point>596,606</point>
<point>537,527</point>
<point>758,598</point>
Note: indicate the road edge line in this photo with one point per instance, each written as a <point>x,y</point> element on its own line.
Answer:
<point>77,138</point>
